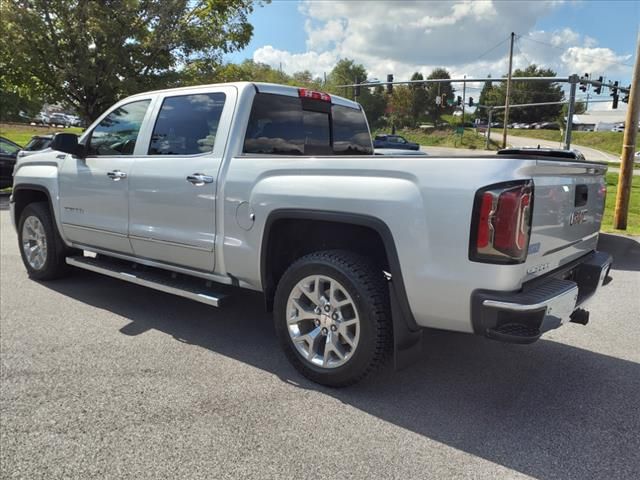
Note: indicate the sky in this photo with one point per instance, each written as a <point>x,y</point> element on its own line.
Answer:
<point>466,37</point>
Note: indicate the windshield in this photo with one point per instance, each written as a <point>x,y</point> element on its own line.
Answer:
<point>38,143</point>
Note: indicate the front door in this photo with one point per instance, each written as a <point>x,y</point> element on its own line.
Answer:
<point>173,186</point>
<point>94,190</point>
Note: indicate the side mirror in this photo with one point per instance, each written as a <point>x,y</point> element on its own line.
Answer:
<point>67,143</point>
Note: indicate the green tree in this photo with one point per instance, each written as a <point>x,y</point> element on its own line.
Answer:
<point>346,72</point>
<point>487,97</point>
<point>374,104</point>
<point>531,92</point>
<point>305,79</point>
<point>444,90</point>
<point>373,100</point>
<point>91,53</point>
<point>247,71</point>
<point>419,100</point>
<point>401,105</point>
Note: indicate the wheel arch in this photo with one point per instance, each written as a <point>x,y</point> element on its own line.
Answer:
<point>25,193</point>
<point>401,311</point>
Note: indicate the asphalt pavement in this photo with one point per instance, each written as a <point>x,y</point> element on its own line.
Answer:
<point>103,379</point>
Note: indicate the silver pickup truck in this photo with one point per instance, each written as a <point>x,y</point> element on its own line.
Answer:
<point>197,190</point>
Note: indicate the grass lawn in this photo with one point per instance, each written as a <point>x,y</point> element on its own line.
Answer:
<point>446,138</point>
<point>633,220</point>
<point>610,142</point>
<point>21,134</point>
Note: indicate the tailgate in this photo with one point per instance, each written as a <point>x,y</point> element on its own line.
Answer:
<point>567,213</point>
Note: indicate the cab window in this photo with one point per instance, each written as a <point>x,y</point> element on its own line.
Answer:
<point>187,124</point>
<point>117,133</point>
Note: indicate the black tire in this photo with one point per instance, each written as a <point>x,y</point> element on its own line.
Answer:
<point>367,287</point>
<point>54,265</point>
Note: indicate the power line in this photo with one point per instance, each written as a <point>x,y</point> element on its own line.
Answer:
<point>518,37</point>
<point>565,51</point>
<point>491,49</point>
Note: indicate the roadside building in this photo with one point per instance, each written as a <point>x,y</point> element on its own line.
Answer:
<point>598,121</point>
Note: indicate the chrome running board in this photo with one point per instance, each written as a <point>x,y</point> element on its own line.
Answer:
<point>164,281</point>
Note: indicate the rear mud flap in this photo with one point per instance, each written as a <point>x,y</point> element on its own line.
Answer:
<point>407,343</point>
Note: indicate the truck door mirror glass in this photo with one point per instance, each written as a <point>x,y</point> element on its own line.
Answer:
<point>67,143</point>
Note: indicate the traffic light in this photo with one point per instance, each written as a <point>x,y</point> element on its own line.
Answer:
<point>625,99</point>
<point>598,89</point>
<point>583,84</point>
<point>459,100</point>
<point>389,84</point>
<point>614,94</point>
<point>356,89</point>
<point>471,101</point>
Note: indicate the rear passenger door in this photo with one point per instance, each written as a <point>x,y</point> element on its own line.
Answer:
<point>173,187</point>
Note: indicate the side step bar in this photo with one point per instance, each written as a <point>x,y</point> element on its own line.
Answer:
<point>156,279</point>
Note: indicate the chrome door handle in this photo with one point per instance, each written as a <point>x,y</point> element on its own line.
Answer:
<point>199,179</point>
<point>116,175</point>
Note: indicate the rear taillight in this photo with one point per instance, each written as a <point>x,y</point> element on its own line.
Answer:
<point>501,223</point>
<point>313,95</point>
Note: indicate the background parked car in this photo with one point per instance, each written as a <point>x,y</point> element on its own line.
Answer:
<point>38,143</point>
<point>394,141</point>
<point>59,119</point>
<point>41,119</point>
<point>398,151</point>
<point>8,154</point>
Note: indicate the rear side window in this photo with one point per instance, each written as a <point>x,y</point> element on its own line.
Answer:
<point>350,133</point>
<point>117,133</point>
<point>284,125</point>
<point>187,124</point>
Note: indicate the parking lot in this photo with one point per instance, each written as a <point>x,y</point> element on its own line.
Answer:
<point>105,379</point>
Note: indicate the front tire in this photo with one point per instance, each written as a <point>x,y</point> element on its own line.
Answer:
<point>331,315</point>
<point>41,248</point>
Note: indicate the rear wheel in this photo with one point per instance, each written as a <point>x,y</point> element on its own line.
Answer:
<point>41,248</point>
<point>331,315</point>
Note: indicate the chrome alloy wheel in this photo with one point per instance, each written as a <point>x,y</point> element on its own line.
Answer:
<point>34,242</point>
<point>323,321</point>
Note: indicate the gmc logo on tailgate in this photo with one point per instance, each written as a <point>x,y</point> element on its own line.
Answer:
<point>578,217</point>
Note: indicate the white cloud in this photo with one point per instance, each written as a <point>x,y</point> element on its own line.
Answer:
<point>315,62</point>
<point>327,35</point>
<point>584,59</point>
<point>402,37</point>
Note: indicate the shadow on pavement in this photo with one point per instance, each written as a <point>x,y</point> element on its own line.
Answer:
<point>547,410</point>
<point>626,251</point>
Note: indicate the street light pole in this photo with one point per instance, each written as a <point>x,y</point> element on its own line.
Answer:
<point>486,145</point>
<point>464,95</point>
<point>573,79</point>
<point>628,148</point>
<point>506,103</point>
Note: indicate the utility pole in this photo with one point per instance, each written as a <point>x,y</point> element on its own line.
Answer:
<point>506,103</point>
<point>464,95</point>
<point>628,148</point>
<point>486,145</point>
<point>573,80</point>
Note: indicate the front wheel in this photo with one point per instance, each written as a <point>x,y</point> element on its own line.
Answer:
<point>331,315</point>
<point>41,247</point>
